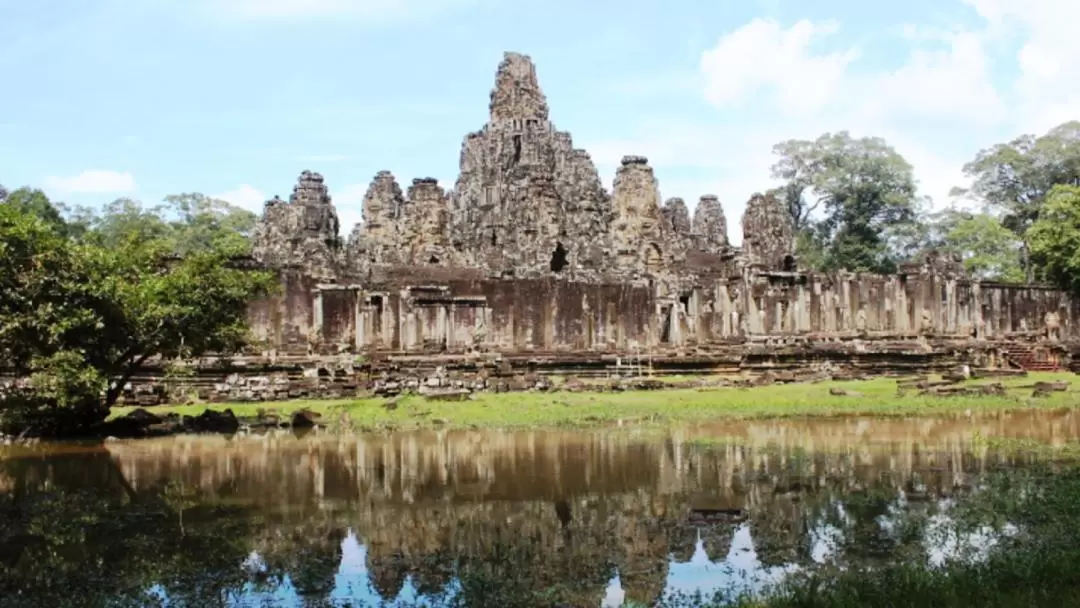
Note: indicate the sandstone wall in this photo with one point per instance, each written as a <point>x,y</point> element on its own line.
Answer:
<point>528,253</point>
<point>551,314</point>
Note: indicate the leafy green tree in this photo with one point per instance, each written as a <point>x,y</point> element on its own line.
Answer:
<point>862,186</point>
<point>1016,176</point>
<point>36,203</point>
<point>80,319</point>
<point>205,223</point>
<point>988,248</point>
<point>1054,238</point>
<point>185,223</point>
<point>125,219</point>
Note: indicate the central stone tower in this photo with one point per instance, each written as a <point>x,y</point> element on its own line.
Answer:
<point>526,201</point>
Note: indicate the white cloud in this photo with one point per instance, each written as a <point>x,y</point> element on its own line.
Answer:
<point>246,196</point>
<point>943,84</point>
<point>93,181</point>
<point>764,55</point>
<point>940,105</point>
<point>1047,90</point>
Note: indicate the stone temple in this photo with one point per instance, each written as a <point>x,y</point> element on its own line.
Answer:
<point>529,261</point>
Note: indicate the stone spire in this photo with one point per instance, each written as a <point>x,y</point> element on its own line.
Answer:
<point>378,240</point>
<point>677,224</point>
<point>526,202</point>
<point>302,233</point>
<point>677,216</point>
<point>383,204</point>
<point>517,93</point>
<point>710,225</point>
<point>768,233</point>
<point>425,226</point>
<point>638,226</point>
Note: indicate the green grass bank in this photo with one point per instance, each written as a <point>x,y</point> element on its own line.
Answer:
<point>666,406</point>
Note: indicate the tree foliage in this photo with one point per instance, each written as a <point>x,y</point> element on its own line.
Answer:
<point>184,224</point>
<point>989,250</point>
<point>208,224</point>
<point>862,187</point>
<point>80,317</point>
<point>1016,177</point>
<point>1054,238</point>
<point>1013,179</point>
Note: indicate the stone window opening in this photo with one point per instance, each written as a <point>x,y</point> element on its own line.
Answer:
<point>517,149</point>
<point>789,263</point>
<point>433,260</point>
<point>684,301</point>
<point>558,258</point>
<point>494,241</point>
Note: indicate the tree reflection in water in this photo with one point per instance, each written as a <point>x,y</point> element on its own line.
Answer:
<point>466,518</point>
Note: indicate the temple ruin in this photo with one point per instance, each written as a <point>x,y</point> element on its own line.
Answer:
<point>528,260</point>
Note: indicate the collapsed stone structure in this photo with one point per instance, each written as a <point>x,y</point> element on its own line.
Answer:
<point>528,258</point>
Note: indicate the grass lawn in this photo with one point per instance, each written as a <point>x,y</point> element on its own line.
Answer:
<point>554,409</point>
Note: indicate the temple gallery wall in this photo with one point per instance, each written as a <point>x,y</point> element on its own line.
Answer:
<point>528,260</point>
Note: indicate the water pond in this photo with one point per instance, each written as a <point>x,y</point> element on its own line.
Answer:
<point>500,518</point>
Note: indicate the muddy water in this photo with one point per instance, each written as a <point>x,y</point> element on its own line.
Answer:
<point>488,517</point>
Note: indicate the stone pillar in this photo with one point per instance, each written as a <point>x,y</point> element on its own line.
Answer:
<point>976,310</point>
<point>753,320</point>
<point>845,304</point>
<point>674,327</point>
<point>317,314</point>
<point>902,319</point>
<point>723,307</point>
<point>403,318</point>
<point>950,306</point>
<point>920,304</point>
<point>360,330</point>
<point>388,319</point>
<point>446,318</point>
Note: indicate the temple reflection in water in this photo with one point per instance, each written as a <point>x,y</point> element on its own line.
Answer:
<point>597,515</point>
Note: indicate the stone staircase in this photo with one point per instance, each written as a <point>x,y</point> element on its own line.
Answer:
<point>1027,358</point>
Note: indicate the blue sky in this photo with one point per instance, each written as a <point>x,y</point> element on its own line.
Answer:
<point>144,98</point>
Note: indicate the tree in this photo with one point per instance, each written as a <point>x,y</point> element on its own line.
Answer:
<point>125,219</point>
<point>187,223</point>
<point>1015,177</point>
<point>79,319</point>
<point>863,187</point>
<point>988,248</point>
<point>45,302</point>
<point>205,223</point>
<point>36,203</point>
<point>1054,238</point>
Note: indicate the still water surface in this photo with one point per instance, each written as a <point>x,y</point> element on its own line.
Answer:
<point>597,518</point>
